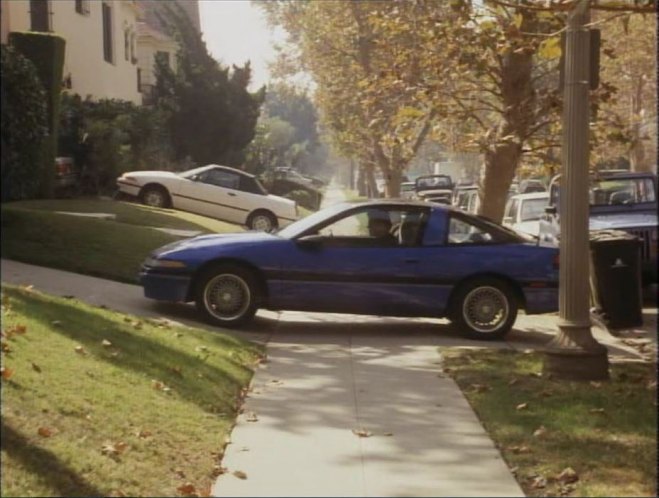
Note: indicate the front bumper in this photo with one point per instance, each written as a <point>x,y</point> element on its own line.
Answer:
<point>165,286</point>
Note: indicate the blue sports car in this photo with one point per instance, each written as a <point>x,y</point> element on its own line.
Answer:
<point>394,258</point>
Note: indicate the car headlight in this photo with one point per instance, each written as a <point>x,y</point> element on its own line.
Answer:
<point>164,263</point>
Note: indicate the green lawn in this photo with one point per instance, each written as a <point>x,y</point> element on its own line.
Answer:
<point>34,232</point>
<point>97,403</point>
<point>606,432</point>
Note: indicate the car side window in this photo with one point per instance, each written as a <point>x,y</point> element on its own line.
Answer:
<point>248,184</point>
<point>512,210</point>
<point>460,231</point>
<point>221,178</point>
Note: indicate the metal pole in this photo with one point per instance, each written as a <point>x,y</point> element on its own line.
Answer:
<point>574,353</point>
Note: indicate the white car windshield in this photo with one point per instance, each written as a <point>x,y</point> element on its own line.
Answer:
<point>621,191</point>
<point>533,209</point>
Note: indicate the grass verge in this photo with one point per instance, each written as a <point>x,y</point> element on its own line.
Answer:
<point>605,432</point>
<point>97,403</point>
<point>34,232</point>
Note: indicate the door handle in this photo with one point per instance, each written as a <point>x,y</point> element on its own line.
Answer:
<point>411,260</point>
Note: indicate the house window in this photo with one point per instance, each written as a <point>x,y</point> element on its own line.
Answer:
<point>82,7</point>
<point>163,56</point>
<point>39,15</point>
<point>107,33</point>
<point>126,43</point>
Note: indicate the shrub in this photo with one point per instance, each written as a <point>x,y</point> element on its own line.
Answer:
<point>24,126</point>
<point>46,51</point>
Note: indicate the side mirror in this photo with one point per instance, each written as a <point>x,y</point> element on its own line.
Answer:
<point>551,210</point>
<point>310,242</point>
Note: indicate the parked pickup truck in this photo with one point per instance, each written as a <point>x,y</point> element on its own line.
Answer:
<point>618,201</point>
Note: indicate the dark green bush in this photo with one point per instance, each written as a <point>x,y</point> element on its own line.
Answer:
<point>24,126</point>
<point>46,51</point>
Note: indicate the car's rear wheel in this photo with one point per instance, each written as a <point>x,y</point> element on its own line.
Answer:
<point>155,196</point>
<point>227,295</point>
<point>484,309</point>
<point>262,221</point>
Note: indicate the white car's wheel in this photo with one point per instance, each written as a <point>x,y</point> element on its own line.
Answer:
<point>262,221</point>
<point>155,197</point>
<point>484,309</point>
<point>227,295</point>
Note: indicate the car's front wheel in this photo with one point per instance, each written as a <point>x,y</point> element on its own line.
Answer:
<point>484,309</point>
<point>227,295</point>
<point>155,196</point>
<point>262,221</point>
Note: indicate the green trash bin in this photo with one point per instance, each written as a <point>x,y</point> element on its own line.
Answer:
<point>616,278</point>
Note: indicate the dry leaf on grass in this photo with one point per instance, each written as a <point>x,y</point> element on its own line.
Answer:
<point>539,483</point>
<point>56,323</point>
<point>6,373</point>
<point>187,489</point>
<point>568,475</point>
<point>240,474</point>
<point>218,470</point>
<point>480,388</point>
<point>6,348</point>
<point>513,382</point>
<point>362,433</point>
<point>177,370</point>
<point>143,434</point>
<point>518,450</point>
<point>597,410</point>
<point>540,431</point>
<point>522,406</point>
<point>113,450</point>
<point>160,386</point>
<point>44,432</point>
<point>105,343</point>
<point>596,385</point>
<point>80,350</point>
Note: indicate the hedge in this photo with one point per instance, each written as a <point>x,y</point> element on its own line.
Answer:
<point>46,51</point>
<point>24,126</point>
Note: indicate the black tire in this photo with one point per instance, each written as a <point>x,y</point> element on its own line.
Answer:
<point>155,196</point>
<point>240,299</point>
<point>484,309</point>
<point>263,221</point>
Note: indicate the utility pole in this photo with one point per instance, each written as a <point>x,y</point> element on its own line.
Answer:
<point>574,353</point>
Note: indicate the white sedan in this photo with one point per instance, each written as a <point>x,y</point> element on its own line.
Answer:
<point>215,191</point>
<point>523,212</point>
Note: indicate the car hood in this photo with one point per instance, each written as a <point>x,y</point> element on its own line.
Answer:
<point>622,220</point>
<point>214,240</point>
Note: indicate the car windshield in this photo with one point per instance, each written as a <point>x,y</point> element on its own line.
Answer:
<point>433,182</point>
<point>533,209</point>
<point>406,187</point>
<point>301,226</point>
<point>615,191</point>
<point>606,192</point>
<point>192,172</point>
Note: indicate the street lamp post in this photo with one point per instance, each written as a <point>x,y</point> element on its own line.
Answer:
<point>574,353</point>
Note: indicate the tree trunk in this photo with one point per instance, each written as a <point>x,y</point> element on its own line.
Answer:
<point>393,178</point>
<point>637,157</point>
<point>361,182</point>
<point>497,174</point>
<point>371,185</point>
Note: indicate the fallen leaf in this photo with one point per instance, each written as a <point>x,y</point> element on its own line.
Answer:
<point>56,323</point>
<point>218,470</point>
<point>539,482</point>
<point>121,446</point>
<point>597,410</point>
<point>179,473</point>
<point>44,432</point>
<point>522,406</point>
<point>80,350</point>
<point>652,384</point>
<point>362,433</point>
<point>547,394</point>
<point>519,449</point>
<point>388,434</point>
<point>187,489</point>
<point>20,329</point>
<point>160,386</point>
<point>540,431</point>
<point>143,434</point>
<point>6,373</point>
<point>480,388</point>
<point>36,367</point>
<point>251,417</point>
<point>105,343</point>
<point>177,370</point>
<point>596,385</point>
<point>513,382</point>
<point>240,474</point>
<point>28,288</point>
<point>568,475</point>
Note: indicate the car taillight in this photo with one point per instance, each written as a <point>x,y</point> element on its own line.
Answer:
<point>556,261</point>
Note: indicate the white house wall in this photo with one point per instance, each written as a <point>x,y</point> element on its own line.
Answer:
<point>90,74</point>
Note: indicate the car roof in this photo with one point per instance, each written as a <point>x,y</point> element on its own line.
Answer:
<point>531,195</point>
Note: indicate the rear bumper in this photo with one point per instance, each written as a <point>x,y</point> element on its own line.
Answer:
<point>165,286</point>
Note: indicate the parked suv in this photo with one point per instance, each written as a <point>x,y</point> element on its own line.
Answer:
<point>618,201</point>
